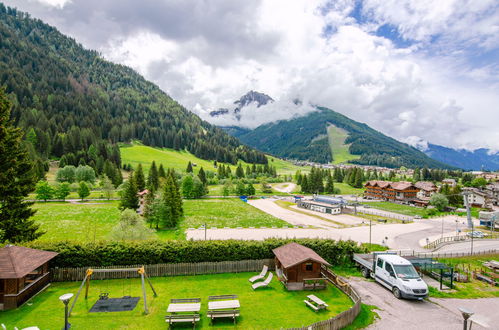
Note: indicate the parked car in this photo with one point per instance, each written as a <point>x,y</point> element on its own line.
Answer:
<point>476,234</point>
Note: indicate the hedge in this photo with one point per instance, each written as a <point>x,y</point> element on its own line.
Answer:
<point>156,252</point>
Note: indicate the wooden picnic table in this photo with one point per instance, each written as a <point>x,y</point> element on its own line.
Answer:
<point>315,303</point>
<point>223,304</point>
<point>188,307</point>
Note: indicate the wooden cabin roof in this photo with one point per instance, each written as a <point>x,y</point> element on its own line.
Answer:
<point>18,261</point>
<point>293,254</point>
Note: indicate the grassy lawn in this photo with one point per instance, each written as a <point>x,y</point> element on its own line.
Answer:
<point>170,158</point>
<point>339,149</point>
<point>398,208</point>
<point>228,212</point>
<point>271,307</point>
<point>346,189</point>
<point>216,190</point>
<point>74,195</point>
<point>81,222</point>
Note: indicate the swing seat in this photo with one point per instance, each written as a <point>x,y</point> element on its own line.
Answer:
<point>104,296</point>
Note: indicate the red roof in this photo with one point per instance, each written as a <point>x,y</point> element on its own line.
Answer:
<point>18,261</point>
<point>293,254</point>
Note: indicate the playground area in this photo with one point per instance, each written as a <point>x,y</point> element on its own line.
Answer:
<point>269,307</point>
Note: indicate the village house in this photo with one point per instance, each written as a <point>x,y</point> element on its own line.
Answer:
<point>402,192</point>
<point>426,189</point>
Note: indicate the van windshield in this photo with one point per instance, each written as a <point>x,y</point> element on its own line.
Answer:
<point>405,272</point>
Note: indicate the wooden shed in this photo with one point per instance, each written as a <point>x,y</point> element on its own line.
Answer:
<point>23,273</point>
<point>299,267</point>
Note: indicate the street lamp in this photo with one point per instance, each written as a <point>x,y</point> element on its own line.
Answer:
<point>65,298</point>
<point>466,315</point>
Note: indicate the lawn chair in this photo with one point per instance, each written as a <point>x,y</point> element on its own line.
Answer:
<point>264,283</point>
<point>261,275</point>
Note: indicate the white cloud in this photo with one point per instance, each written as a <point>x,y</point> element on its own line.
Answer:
<point>443,89</point>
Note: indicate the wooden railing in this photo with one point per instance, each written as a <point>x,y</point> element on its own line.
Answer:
<point>77,274</point>
<point>16,300</point>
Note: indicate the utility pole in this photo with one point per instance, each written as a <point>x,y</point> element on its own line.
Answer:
<point>370,224</point>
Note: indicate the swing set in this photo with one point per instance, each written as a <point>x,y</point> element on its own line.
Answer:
<point>120,304</point>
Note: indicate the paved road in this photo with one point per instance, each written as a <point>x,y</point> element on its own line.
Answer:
<point>436,314</point>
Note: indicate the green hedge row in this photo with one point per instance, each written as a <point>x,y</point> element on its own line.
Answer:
<point>156,252</point>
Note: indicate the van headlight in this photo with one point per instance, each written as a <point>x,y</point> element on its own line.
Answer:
<point>406,288</point>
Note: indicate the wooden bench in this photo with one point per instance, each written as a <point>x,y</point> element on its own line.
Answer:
<point>233,313</point>
<point>309,304</point>
<point>182,318</point>
<point>185,301</point>
<point>223,297</point>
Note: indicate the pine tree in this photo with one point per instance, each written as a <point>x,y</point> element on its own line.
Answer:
<point>17,180</point>
<point>172,202</point>
<point>239,171</point>
<point>304,184</point>
<point>250,190</point>
<point>358,179</point>
<point>189,168</point>
<point>139,178</point>
<point>416,176</point>
<point>129,196</point>
<point>202,176</point>
<point>329,185</point>
<point>161,171</point>
<point>153,178</point>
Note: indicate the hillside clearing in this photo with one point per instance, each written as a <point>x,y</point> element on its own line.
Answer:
<point>339,149</point>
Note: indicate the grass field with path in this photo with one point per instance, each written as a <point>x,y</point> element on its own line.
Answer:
<point>270,308</point>
<point>339,149</point>
<point>86,222</point>
<point>346,189</point>
<point>230,212</point>
<point>398,208</point>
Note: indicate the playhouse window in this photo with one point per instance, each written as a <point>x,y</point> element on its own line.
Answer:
<point>309,267</point>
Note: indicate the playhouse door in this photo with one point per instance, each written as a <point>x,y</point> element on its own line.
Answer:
<point>292,275</point>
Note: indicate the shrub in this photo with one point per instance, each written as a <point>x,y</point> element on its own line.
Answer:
<point>106,253</point>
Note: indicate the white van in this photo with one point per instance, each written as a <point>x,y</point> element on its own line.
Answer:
<point>399,275</point>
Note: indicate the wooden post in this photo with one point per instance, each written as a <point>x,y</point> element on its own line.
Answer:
<point>86,281</point>
<point>141,272</point>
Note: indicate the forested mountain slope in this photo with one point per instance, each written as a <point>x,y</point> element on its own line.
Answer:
<point>306,138</point>
<point>74,104</point>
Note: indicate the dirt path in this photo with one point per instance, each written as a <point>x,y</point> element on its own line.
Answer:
<point>439,314</point>
<point>287,187</point>
<point>294,218</point>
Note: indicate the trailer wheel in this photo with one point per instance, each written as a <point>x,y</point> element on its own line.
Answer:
<point>365,272</point>
<point>396,293</point>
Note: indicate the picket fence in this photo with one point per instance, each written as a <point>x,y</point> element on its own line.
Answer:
<point>199,268</point>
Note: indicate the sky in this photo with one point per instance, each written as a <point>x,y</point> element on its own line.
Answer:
<point>419,71</point>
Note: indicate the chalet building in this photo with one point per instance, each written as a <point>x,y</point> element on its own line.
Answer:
<point>319,207</point>
<point>478,198</point>
<point>426,189</point>
<point>449,182</point>
<point>23,273</point>
<point>299,267</point>
<point>493,191</point>
<point>401,192</point>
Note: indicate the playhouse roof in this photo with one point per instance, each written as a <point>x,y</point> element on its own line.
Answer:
<point>293,254</point>
<point>18,261</point>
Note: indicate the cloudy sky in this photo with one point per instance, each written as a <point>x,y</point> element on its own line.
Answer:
<point>416,70</point>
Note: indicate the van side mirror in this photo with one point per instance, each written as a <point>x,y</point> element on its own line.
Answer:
<point>392,274</point>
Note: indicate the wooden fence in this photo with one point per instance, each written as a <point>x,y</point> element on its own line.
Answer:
<point>77,274</point>
<point>446,254</point>
<point>343,319</point>
<point>457,239</point>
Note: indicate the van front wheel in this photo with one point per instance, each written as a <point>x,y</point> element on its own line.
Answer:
<point>396,293</point>
<point>366,272</point>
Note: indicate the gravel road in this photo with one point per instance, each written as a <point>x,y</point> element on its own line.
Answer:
<point>436,314</point>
